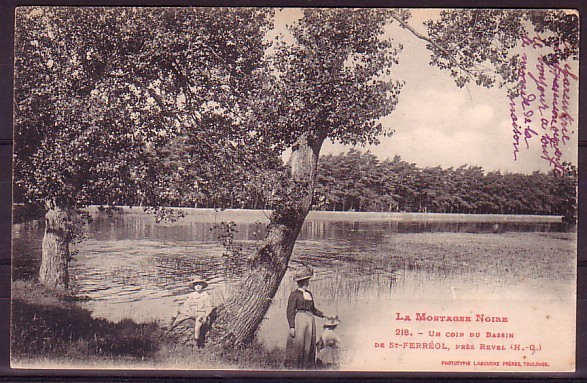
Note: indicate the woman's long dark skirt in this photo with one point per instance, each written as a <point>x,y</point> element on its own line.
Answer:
<point>300,352</point>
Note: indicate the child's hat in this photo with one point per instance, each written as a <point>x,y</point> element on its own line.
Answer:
<point>200,280</point>
<point>331,322</point>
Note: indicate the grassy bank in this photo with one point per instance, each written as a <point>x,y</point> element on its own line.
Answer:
<point>50,329</point>
<point>526,255</point>
<point>540,255</point>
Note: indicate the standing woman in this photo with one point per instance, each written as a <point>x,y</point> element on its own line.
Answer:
<point>300,350</point>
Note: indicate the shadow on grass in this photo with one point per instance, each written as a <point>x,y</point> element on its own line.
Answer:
<point>50,326</point>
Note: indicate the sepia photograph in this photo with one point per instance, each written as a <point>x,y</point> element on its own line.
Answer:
<point>295,189</point>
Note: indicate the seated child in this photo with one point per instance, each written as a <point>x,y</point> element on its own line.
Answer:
<point>328,345</point>
<point>197,306</point>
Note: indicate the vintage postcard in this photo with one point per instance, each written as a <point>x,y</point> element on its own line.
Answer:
<point>278,189</point>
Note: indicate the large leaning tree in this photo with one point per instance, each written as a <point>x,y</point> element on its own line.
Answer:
<point>102,94</point>
<point>335,81</point>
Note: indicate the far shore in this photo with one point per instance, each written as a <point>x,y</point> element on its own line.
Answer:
<point>246,215</point>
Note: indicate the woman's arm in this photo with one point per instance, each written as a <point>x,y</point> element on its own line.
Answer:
<point>291,310</point>
<point>314,310</point>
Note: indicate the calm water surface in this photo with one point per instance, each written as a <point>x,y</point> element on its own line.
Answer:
<point>131,267</point>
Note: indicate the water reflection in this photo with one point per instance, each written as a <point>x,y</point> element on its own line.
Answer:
<point>26,249</point>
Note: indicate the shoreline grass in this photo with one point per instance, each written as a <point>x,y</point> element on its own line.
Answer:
<point>549,256</point>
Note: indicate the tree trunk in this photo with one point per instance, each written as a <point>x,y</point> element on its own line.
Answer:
<point>239,317</point>
<point>54,263</point>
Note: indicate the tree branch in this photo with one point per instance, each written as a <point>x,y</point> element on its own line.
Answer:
<point>432,42</point>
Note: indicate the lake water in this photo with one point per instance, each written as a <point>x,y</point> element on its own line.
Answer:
<point>367,269</point>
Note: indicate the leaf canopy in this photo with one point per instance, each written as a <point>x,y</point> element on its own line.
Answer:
<point>101,94</point>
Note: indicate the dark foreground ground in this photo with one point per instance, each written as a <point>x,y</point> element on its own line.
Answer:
<point>51,330</point>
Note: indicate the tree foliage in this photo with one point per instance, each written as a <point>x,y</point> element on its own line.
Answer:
<point>477,45</point>
<point>332,81</point>
<point>106,99</point>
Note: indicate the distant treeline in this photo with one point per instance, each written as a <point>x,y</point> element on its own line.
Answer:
<point>360,182</point>
<point>357,181</point>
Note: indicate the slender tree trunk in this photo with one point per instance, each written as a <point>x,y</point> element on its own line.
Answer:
<point>55,256</point>
<point>239,317</point>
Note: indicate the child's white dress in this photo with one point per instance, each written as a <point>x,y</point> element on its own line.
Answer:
<point>328,349</point>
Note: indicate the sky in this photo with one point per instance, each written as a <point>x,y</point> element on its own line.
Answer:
<point>438,124</point>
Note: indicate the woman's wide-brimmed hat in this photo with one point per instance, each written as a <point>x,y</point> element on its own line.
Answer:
<point>332,322</point>
<point>304,273</point>
<point>200,280</point>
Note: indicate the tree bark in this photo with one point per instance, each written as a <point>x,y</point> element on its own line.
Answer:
<point>239,317</point>
<point>54,271</point>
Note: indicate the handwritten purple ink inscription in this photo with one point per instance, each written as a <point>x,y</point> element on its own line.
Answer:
<point>540,109</point>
